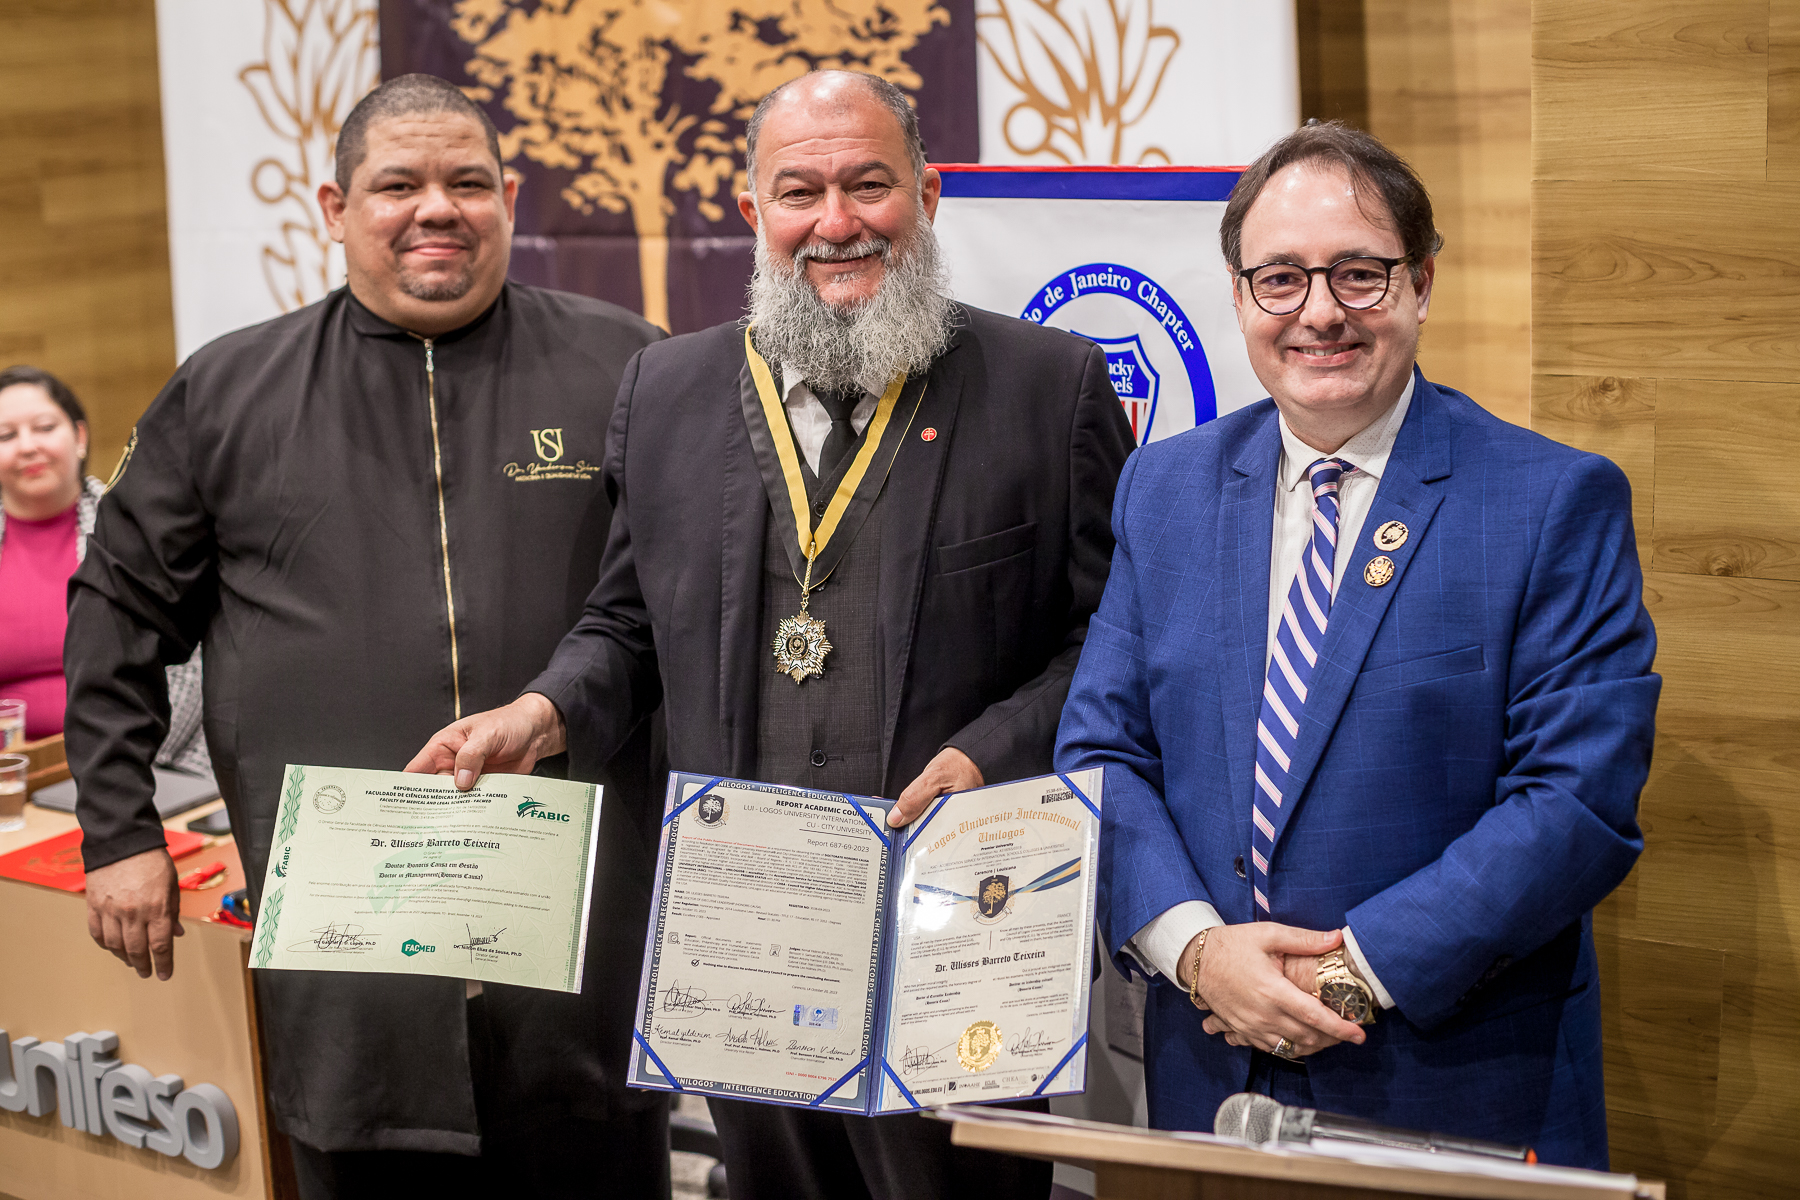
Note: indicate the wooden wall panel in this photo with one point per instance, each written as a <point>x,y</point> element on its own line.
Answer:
<point>1730,507</point>
<point>84,262</point>
<point>1661,89</point>
<point>1697,279</point>
<point>1449,89</point>
<point>1334,68</point>
<point>1666,271</point>
<point>1784,92</point>
<point>1611,416</point>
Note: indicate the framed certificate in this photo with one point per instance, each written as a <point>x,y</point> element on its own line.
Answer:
<point>801,952</point>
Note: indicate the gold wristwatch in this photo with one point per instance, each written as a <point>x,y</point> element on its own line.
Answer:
<point>1340,989</point>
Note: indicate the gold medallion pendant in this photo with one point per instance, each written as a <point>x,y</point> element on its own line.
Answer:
<point>801,646</point>
<point>800,641</point>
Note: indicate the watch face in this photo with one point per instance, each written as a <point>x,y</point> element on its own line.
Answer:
<point>1346,1000</point>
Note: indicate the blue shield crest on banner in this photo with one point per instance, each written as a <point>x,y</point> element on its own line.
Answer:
<point>1133,378</point>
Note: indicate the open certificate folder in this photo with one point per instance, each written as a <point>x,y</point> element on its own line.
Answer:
<point>803,953</point>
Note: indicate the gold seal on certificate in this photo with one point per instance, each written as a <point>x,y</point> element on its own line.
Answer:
<point>979,1047</point>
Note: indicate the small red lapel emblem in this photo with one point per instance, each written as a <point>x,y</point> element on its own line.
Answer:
<point>927,434</point>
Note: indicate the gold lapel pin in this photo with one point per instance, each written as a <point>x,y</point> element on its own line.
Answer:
<point>1391,536</point>
<point>1379,571</point>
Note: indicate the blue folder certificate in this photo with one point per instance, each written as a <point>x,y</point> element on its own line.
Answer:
<point>801,952</point>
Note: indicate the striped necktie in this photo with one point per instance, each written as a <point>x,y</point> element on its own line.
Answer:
<point>1298,639</point>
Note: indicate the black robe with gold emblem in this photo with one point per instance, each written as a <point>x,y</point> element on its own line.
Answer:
<point>371,534</point>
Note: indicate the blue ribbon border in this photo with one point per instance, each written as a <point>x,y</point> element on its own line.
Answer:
<point>1057,1069</point>
<point>682,807</point>
<point>660,1065</point>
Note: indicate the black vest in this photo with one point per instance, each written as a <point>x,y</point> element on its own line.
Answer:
<point>825,732</point>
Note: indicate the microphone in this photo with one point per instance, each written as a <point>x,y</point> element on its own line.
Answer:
<point>1260,1121</point>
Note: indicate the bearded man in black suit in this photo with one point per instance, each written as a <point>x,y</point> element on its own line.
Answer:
<point>931,482</point>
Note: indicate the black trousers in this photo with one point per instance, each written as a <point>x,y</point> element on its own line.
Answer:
<point>776,1153</point>
<point>550,1153</point>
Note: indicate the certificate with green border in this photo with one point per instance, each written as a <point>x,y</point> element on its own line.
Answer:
<point>386,871</point>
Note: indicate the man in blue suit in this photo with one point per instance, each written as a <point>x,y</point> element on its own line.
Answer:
<point>1371,684</point>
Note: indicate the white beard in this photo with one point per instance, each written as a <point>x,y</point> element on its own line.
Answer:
<point>905,325</point>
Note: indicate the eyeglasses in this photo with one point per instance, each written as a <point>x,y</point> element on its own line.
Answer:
<point>1283,288</point>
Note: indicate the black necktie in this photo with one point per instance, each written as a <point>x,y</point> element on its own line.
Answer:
<point>843,434</point>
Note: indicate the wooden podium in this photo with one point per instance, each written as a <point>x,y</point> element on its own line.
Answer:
<point>1145,1164</point>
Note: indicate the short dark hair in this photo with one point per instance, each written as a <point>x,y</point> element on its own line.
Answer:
<point>891,97</point>
<point>404,96</point>
<point>1370,165</point>
<point>60,392</point>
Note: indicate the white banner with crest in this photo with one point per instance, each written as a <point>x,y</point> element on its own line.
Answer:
<point>1128,257</point>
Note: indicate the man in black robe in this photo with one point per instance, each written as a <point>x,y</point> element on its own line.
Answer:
<point>955,585</point>
<point>379,513</point>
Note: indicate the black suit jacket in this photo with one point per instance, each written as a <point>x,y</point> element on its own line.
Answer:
<point>995,546</point>
<point>282,503</point>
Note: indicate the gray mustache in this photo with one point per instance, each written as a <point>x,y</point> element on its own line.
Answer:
<point>831,253</point>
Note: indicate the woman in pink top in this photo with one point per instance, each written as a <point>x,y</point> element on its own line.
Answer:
<point>43,446</point>
<point>47,507</point>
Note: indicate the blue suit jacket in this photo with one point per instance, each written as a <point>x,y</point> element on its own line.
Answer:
<point>1464,789</point>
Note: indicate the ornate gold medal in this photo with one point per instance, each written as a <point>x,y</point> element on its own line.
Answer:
<point>979,1046</point>
<point>800,641</point>
<point>801,646</point>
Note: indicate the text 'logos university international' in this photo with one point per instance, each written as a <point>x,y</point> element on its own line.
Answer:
<point>1153,353</point>
<point>82,1080</point>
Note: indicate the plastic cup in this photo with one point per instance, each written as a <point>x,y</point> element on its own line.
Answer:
<point>12,723</point>
<point>13,769</point>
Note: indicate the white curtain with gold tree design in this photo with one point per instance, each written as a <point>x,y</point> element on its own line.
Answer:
<point>1139,82</point>
<point>253,93</point>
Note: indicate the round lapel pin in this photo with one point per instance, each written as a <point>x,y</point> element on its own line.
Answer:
<point>928,434</point>
<point>1379,571</point>
<point>1390,536</point>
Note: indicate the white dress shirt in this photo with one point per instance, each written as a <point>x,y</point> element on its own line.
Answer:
<point>1158,946</point>
<point>808,418</point>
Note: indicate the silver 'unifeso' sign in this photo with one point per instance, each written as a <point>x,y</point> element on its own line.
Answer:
<point>91,1090</point>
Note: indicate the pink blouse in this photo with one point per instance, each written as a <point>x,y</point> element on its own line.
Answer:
<point>36,560</point>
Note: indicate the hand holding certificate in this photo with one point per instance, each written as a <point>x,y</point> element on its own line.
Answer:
<point>384,871</point>
<point>803,953</point>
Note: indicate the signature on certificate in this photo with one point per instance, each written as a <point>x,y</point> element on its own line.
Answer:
<point>749,1004</point>
<point>914,1059</point>
<point>680,1033</point>
<point>1032,1042</point>
<point>476,943</point>
<point>336,937</point>
<point>677,998</point>
<point>751,1039</point>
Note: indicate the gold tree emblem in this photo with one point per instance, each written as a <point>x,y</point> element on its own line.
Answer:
<point>319,58</point>
<point>589,82</point>
<point>1086,71</point>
